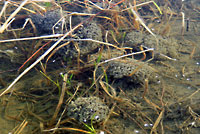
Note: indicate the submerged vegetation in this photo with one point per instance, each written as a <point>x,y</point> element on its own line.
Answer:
<point>99,66</point>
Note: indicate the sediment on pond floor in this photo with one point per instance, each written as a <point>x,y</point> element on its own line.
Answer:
<point>124,67</point>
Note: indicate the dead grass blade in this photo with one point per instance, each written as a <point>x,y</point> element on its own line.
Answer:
<point>126,55</point>
<point>70,99</point>
<point>21,127</point>
<point>4,8</point>
<point>5,25</point>
<point>39,59</point>
<point>153,130</point>
<point>60,100</point>
<point>151,103</point>
<point>140,20</point>
<point>33,38</point>
<point>55,50</point>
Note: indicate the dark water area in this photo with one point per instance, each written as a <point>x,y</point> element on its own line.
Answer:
<point>100,67</point>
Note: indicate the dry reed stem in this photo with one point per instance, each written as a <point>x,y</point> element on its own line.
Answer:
<point>145,3</point>
<point>121,100</point>
<point>25,23</point>
<point>183,23</point>
<point>126,55</point>
<point>192,53</point>
<point>77,88</point>
<point>13,3</point>
<point>135,19</point>
<point>55,50</point>
<point>96,41</point>
<point>44,0</point>
<point>106,90</point>
<point>131,54</point>
<point>163,92</point>
<point>21,127</point>
<point>167,57</point>
<point>144,54</point>
<point>5,25</point>
<point>109,114</point>
<point>39,59</point>
<point>79,54</point>
<point>95,81</point>
<point>141,21</point>
<point>153,130</point>
<point>135,70</point>
<point>32,38</point>
<point>84,14</point>
<point>183,70</point>
<point>146,87</point>
<point>98,7</point>
<point>190,96</point>
<point>35,115</point>
<point>4,8</point>
<point>114,97</point>
<point>60,100</point>
<point>68,129</point>
<point>131,118</point>
<point>38,6</point>
<point>151,103</point>
<point>33,56</point>
<point>11,18</point>
<point>193,50</point>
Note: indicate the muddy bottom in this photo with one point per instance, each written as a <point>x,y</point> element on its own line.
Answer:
<point>102,85</point>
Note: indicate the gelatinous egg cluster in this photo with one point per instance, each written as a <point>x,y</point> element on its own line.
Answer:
<point>87,109</point>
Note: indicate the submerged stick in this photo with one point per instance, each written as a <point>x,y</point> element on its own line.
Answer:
<point>39,59</point>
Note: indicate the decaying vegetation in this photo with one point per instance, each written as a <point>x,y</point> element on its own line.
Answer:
<point>100,66</point>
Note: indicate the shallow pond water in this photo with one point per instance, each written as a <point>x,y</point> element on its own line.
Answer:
<point>143,64</point>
